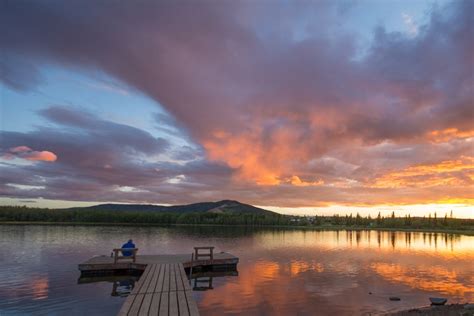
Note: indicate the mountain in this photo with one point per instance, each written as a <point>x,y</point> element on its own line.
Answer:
<point>223,207</point>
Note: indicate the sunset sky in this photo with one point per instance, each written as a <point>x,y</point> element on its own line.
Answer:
<point>303,107</point>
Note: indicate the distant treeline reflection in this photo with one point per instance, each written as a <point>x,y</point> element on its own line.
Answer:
<point>27,214</point>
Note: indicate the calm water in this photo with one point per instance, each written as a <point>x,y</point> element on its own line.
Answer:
<point>281,272</point>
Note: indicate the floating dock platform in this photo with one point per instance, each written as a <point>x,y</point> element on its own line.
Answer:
<point>163,287</point>
<point>104,265</point>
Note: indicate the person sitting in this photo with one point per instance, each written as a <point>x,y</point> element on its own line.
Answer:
<point>128,244</point>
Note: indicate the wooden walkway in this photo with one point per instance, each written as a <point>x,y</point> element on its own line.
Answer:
<point>162,289</point>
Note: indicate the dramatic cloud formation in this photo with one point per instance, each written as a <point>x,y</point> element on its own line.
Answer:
<point>282,112</point>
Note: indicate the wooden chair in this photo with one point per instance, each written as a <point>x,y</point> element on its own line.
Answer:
<point>118,251</point>
<point>208,255</point>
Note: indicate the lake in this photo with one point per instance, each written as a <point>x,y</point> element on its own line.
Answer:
<point>281,272</point>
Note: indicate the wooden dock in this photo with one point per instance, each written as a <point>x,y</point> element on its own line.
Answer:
<point>163,289</point>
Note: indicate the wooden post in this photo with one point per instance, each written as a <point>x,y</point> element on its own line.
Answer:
<point>115,255</point>
<point>191,269</point>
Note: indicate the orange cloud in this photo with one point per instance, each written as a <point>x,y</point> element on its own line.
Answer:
<point>265,156</point>
<point>244,153</point>
<point>41,156</point>
<point>27,153</point>
<point>441,136</point>
<point>450,172</point>
<point>295,180</point>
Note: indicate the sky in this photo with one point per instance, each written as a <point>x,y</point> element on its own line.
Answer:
<point>302,107</point>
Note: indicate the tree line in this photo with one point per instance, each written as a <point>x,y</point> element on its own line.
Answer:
<point>392,221</point>
<point>28,214</point>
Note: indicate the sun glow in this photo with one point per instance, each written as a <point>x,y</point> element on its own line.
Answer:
<point>459,210</point>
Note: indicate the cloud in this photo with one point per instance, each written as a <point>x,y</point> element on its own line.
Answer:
<point>103,161</point>
<point>265,100</point>
<point>108,87</point>
<point>25,187</point>
<point>20,149</point>
<point>25,152</point>
<point>18,73</point>
<point>40,156</point>
<point>449,134</point>
<point>449,173</point>
<point>410,24</point>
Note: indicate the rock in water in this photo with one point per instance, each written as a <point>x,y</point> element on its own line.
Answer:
<point>394,298</point>
<point>438,300</point>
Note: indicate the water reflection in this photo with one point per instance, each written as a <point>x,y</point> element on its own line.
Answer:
<point>39,288</point>
<point>202,281</point>
<point>123,288</point>
<point>281,272</point>
<point>424,277</point>
<point>122,285</point>
<point>334,272</point>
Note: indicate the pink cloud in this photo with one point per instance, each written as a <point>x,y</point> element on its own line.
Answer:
<point>20,149</point>
<point>27,153</point>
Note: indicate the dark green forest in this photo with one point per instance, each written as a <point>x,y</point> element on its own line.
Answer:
<point>432,222</point>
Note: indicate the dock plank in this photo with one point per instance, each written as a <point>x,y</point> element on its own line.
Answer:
<point>182,304</point>
<point>192,306</point>
<point>146,304</point>
<point>166,281</point>
<point>164,303</point>
<point>148,283</point>
<point>161,277</point>
<point>155,304</point>
<point>137,303</point>
<point>179,277</point>
<point>154,280</point>
<point>184,278</point>
<point>142,279</point>
<point>126,305</point>
<point>173,277</point>
<point>173,303</point>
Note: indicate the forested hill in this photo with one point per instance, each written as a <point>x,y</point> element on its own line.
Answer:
<point>220,207</point>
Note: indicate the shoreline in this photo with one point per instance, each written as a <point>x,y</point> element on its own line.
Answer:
<point>466,309</point>
<point>314,228</point>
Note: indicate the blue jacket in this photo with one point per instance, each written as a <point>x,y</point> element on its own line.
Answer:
<point>128,245</point>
